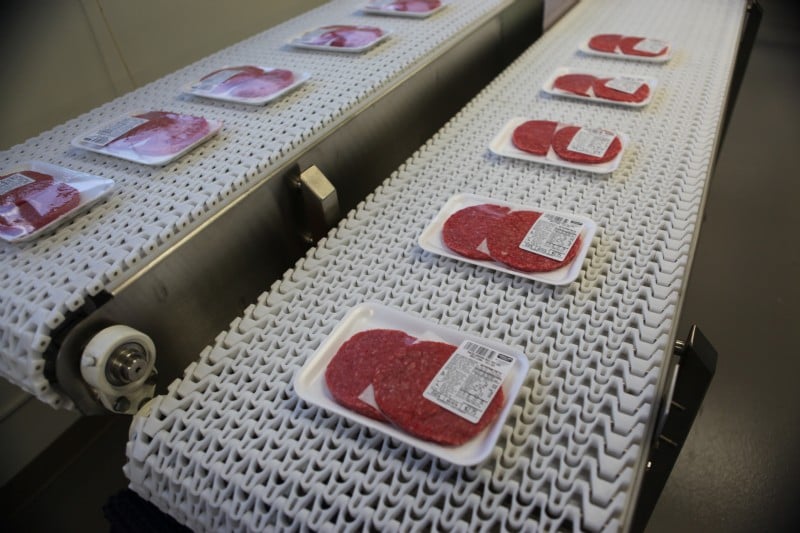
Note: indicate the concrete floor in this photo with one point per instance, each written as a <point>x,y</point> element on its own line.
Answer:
<point>739,469</point>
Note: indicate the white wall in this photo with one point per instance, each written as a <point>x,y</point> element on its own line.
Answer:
<point>61,58</point>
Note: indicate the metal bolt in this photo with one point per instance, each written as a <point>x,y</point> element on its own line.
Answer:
<point>127,364</point>
<point>122,404</point>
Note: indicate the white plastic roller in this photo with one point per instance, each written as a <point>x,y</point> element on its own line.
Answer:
<point>118,363</point>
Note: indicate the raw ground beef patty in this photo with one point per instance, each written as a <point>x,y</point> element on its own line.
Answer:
<point>505,237</point>
<point>34,205</point>
<point>353,367</point>
<point>253,82</point>
<point>163,134</point>
<point>466,229</point>
<point>605,42</point>
<point>602,91</point>
<point>399,384</point>
<point>564,136</point>
<point>575,83</point>
<point>534,136</point>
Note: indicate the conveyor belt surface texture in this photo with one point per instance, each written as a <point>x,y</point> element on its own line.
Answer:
<point>231,447</point>
<point>152,208</point>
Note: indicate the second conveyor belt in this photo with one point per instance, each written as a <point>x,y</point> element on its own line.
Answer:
<point>231,446</point>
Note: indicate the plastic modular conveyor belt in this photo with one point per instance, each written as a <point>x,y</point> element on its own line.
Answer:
<point>232,447</point>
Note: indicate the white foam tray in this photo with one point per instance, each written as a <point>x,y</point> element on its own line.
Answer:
<point>503,146</point>
<point>430,239</point>
<point>299,79</point>
<point>297,42</point>
<point>561,71</point>
<point>584,48</point>
<point>372,8</point>
<point>309,383</point>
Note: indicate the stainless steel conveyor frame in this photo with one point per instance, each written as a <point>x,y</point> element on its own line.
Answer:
<point>200,237</point>
<point>230,446</point>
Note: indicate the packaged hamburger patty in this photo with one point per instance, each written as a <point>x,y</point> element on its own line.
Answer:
<point>437,389</point>
<point>618,89</point>
<point>627,47</point>
<point>151,138</point>
<point>537,244</point>
<point>566,145</point>
<point>247,84</point>
<point>341,38</point>
<point>36,197</point>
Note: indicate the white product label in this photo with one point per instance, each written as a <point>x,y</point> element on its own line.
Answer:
<point>14,181</point>
<point>650,46</point>
<point>113,131</point>
<point>591,142</point>
<point>469,380</point>
<point>552,236</point>
<point>625,85</point>
<point>209,83</point>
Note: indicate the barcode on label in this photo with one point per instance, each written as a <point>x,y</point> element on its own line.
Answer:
<point>14,181</point>
<point>469,380</point>
<point>113,131</point>
<point>552,236</point>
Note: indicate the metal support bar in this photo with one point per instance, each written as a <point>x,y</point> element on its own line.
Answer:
<point>694,364</point>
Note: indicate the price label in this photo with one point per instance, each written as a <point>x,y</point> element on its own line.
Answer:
<point>469,380</point>
<point>552,236</point>
<point>591,142</point>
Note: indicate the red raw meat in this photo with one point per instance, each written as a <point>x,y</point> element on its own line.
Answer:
<point>33,206</point>
<point>534,136</point>
<point>575,83</point>
<point>346,36</point>
<point>413,6</point>
<point>602,91</point>
<point>399,384</point>
<point>564,136</point>
<point>504,240</point>
<point>466,229</point>
<point>606,42</point>
<point>353,367</point>
<point>627,46</point>
<point>253,82</point>
<point>163,134</point>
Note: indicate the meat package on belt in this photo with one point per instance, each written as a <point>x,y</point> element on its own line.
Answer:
<point>343,36</point>
<point>580,84</point>
<point>613,43</point>
<point>501,230</point>
<point>163,134</point>
<point>29,207</point>
<point>411,6</point>
<point>537,136</point>
<point>399,368</point>
<point>252,82</point>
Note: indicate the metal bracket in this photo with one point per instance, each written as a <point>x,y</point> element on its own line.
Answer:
<point>692,368</point>
<point>320,203</point>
